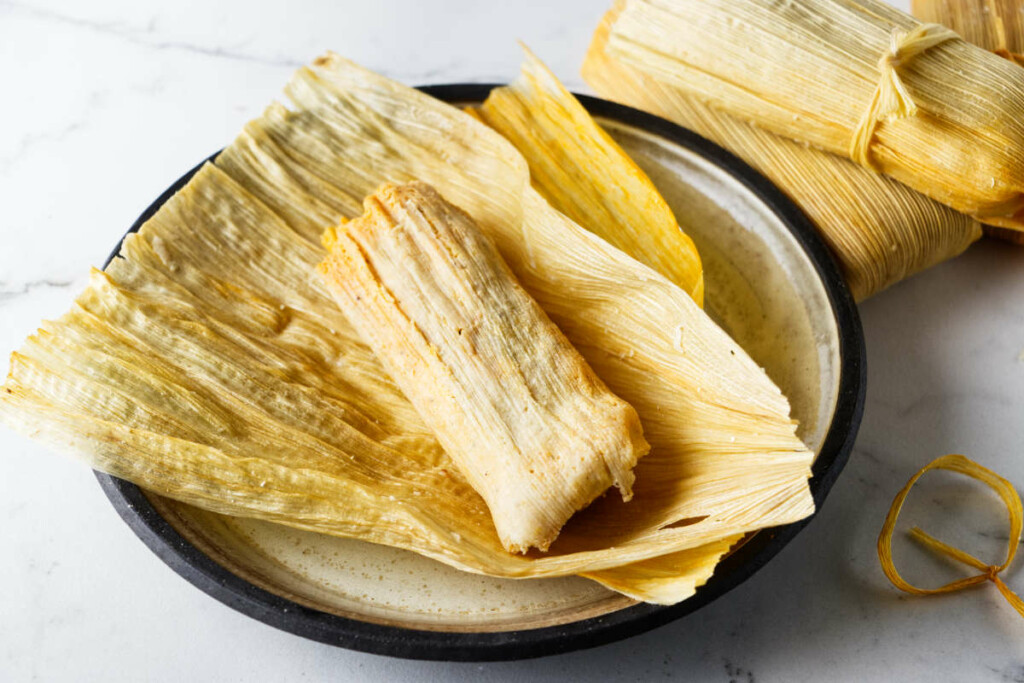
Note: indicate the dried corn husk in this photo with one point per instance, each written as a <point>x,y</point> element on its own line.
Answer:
<point>854,77</point>
<point>208,363</point>
<point>880,230</point>
<point>995,25</point>
<point>514,405</point>
<point>584,174</point>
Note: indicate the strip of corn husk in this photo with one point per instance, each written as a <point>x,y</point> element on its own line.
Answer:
<point>995,25</point>
<point>880,230</point>
<point>573,164</point>
<point>947,118</point>
<point>527,422</point>
<point>208,364</point>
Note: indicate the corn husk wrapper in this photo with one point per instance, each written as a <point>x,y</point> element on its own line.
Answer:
<point>584,174</point>
<point>880,230</point>
<point>854,77</point>
<point>209,364</point>
<point>995,25</point>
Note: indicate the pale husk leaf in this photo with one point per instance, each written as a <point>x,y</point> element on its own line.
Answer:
<point>208,364</point>
<point>810,70</point>
<point>880,230</point>
<point>995,25</point>
<point>584,174</point>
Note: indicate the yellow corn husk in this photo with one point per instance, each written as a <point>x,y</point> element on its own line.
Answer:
<point>584,174</point>
<point>514,405</point>
<point>208,363</point>
<point>880,230</point>
<point>856,78</point>
<point>995,25</point>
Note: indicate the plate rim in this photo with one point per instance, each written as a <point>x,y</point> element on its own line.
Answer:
<point>201,571</point>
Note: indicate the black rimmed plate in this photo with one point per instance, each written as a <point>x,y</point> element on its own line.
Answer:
<point>771,284</point>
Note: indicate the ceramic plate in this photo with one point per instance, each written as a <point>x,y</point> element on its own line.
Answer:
<point>770,283</point>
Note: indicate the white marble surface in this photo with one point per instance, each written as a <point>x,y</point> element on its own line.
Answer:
<point>104,103</point>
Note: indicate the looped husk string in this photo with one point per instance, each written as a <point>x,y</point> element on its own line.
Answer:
<point>891,99</point>
<point>1006,491</point>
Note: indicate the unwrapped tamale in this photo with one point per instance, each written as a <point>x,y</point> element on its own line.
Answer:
<point>880,230</point>
<point>854,77</point>
<point>209,364</point>
<point>523,416</point>
<point>995,25</point>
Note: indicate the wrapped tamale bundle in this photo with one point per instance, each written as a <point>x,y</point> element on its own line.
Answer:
<point>854,77</point>
<point>880,230</point>
<point>584,174</point>
<point>523,416</point>
<point>995,25</point>
<point>209,364</point>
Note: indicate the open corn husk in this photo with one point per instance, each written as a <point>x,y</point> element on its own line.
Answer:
<point>854,77</point>
<point>880,230</point>
<point>584,174</point>
<point>208,364</point>
<point>995,25</point>
<point>527,422</point>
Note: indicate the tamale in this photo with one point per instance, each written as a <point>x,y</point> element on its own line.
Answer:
<point>523,416</point>
<point>208,363</point>
<point>995,25</point>
<point>584,174</point>
<point>856,78</point>
<point>880,230</point>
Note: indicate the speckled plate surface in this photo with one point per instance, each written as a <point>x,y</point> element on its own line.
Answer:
<point>770,283</point>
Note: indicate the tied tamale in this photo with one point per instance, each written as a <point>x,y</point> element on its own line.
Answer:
<point>523,416</point>
<point>995,25</point>
<point>854,77</point>
<point>210,365</point>
<point>880,230</point>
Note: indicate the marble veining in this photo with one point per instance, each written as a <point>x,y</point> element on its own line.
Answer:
<point>6,293</point>
<point>147,36</point>
<point>107,102</point>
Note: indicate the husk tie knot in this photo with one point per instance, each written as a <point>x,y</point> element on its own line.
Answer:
<point>891,99</point>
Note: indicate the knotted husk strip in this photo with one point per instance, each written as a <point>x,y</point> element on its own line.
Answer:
<point>989,572</point>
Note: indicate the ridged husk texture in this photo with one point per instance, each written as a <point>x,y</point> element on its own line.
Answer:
<point>880,230</point>
<point>209,364</point>
<point>949,116</point>
<point>995,25</point>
